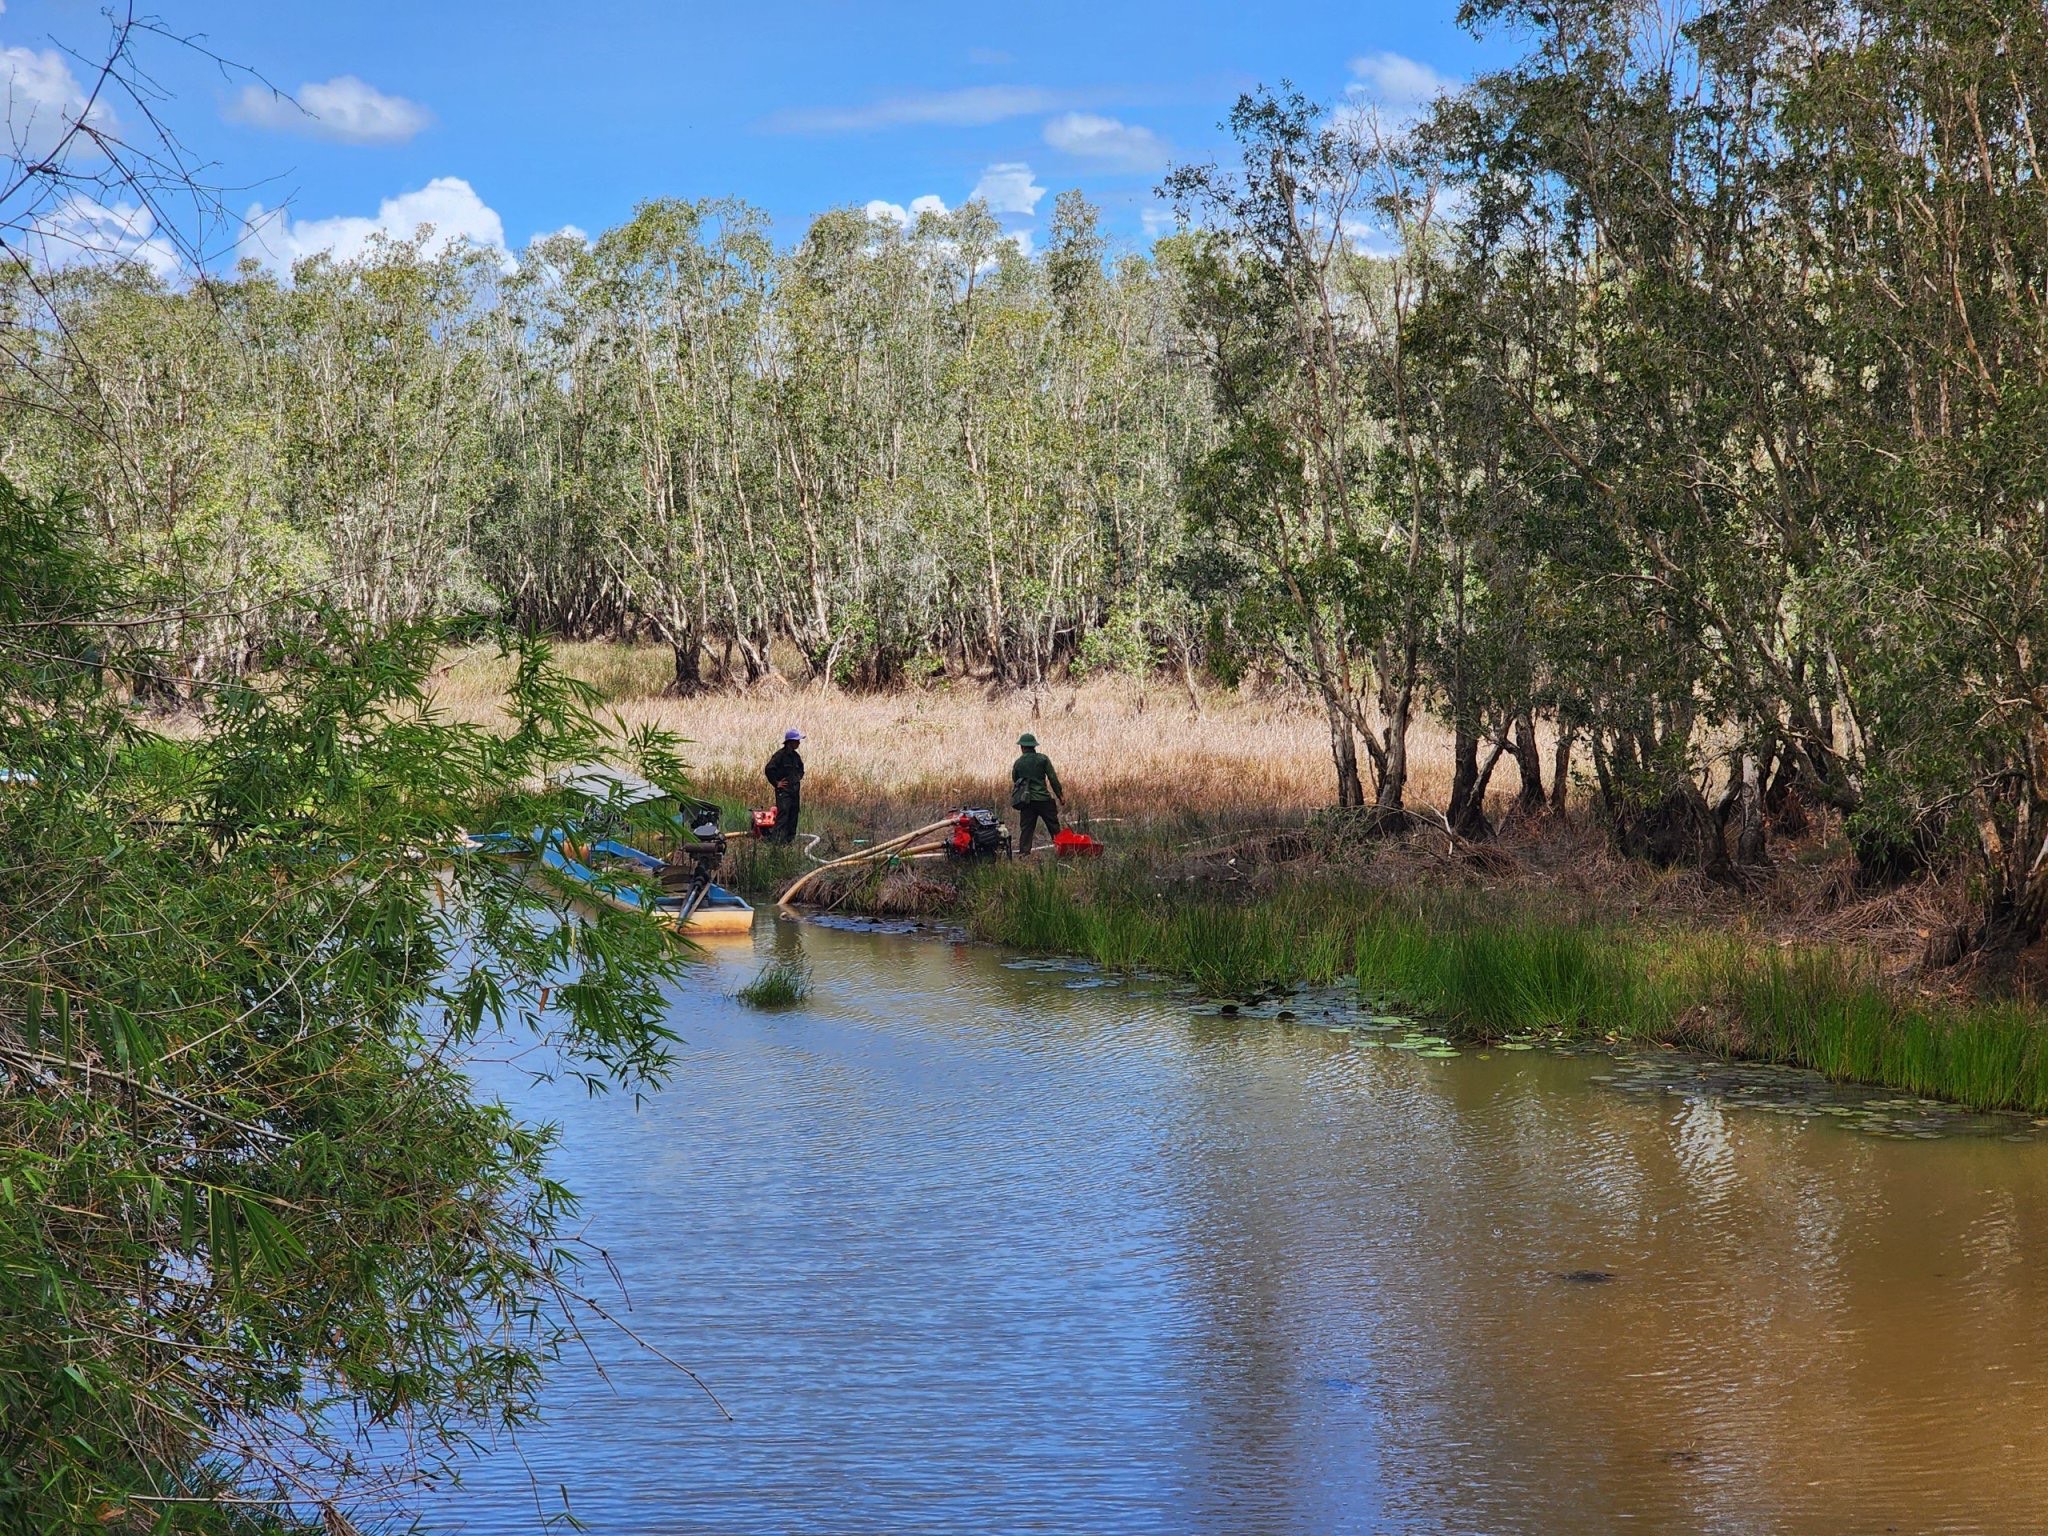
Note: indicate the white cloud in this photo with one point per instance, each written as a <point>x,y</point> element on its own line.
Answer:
<point>1396,82</point>
<point>973,106</point>
<point>1023,240</point>
<point>1008,188</point>
<point>572,230</point>
<point>81,232</point>
<point>1157,222</point>
<point>902,217</point>
<point>43,101</point>
<point>447,203</point>
<point>344,109</point>
<point>1120,146</point>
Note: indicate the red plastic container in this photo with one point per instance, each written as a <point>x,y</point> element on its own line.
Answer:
<point>1067,844</point>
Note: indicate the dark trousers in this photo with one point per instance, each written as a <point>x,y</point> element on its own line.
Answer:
<point>788,806</point>
<point>1029,814</point>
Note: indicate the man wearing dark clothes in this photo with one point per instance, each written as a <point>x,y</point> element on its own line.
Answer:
<point>1035,792</point>
<point>785,771</point>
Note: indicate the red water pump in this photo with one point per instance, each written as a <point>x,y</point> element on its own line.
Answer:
<point>763,821</point>
<point>1067,844</point>
<point>978,835</point>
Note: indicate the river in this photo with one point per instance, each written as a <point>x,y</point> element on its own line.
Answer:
<point>973,1244</point>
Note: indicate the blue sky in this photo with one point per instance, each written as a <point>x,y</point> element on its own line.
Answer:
<point>514,119</point>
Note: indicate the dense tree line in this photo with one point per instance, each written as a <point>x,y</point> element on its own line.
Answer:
<point>897,451</point>
<point>1677,389</point>
<point>1698,408</point>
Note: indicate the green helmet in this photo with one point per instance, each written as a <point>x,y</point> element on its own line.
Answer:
<point>1028,742</point>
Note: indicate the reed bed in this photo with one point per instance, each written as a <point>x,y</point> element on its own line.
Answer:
<point>1486,970</point>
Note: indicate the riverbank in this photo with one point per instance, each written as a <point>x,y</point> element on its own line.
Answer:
<point>1484,970</point>
<point>1483,960</point>
<point>1222,870</point>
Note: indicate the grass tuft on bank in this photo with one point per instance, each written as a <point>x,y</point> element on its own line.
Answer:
<point>1486,967</point>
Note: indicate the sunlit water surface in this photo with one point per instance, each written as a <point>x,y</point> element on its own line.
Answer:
<point>969,1246</point>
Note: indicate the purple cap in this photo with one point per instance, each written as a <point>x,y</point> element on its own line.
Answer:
<point>792,734</point>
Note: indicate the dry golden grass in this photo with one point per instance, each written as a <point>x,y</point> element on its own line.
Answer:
<point>1121,749</point>
<point>882,763</point>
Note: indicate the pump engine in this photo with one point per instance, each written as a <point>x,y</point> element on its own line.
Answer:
<point>978,834</point>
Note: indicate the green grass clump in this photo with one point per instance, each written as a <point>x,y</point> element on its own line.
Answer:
<point>781,984</point>
<point>1226,948</point>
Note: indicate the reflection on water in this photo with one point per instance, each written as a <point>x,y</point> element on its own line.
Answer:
<point>972,1247</point>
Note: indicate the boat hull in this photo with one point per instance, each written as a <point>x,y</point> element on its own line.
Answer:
<point>716,922</point>
<point>721,914</point>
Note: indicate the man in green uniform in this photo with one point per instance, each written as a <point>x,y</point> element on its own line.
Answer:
<point>1035,792</point>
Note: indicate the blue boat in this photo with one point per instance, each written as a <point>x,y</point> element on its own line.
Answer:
<point>615,874</point>
<point>715,911</point>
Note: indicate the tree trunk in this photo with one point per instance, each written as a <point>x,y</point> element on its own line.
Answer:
<point>1467,812</point>
<point>2015,912</point>
<point>1749,837</point>
<point>689,678</point>
<point>1783,774</point>
<point>1344,754</point>
<point>1394,781</point>
<point>1529,764</point>
<point>1187,679</point>
<point>1560,772</point>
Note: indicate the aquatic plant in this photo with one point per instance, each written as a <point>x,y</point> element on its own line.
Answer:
<point>1500,970</point>
<point>781,984</point>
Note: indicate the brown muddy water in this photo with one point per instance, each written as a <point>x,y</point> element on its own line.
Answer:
<point>975,1243</point>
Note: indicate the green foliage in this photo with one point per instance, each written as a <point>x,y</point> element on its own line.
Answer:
<point>1117,646</point>
<point>259,1239</point>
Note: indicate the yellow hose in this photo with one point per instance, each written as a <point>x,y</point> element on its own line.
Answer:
<point>864,856</point>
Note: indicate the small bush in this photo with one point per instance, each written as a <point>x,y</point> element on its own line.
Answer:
<point>781,984</point>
